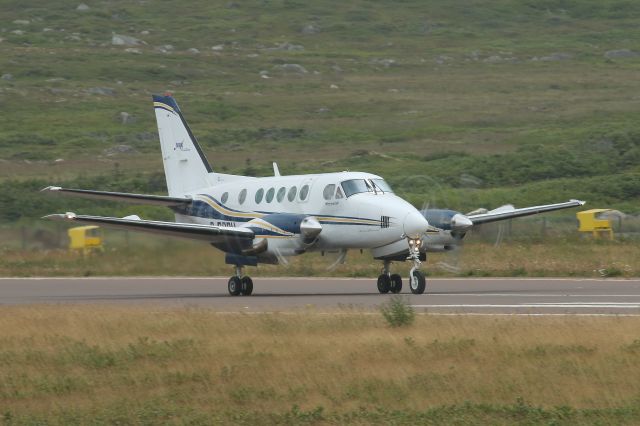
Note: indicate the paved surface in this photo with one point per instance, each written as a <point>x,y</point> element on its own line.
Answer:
<point>476,296</point>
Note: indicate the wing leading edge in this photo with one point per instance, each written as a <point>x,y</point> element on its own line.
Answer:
<point>497,215</point>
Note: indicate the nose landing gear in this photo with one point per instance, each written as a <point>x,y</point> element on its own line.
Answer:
<point>239,285</point>
<point>417,281</point>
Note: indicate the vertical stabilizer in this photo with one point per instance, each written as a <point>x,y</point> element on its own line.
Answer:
<point>185,166</point>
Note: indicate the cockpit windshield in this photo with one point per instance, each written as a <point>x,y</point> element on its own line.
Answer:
<point>356,186</point>
<point>382,185</point>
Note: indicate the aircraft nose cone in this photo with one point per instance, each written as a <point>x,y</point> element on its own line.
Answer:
<point>415,225</point>
<point>460,222</point>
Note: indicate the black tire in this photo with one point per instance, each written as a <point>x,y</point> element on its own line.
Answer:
<point>417,283</point>
<point>247,286</point>
<point>384,283</point>
<point>396,283</point>
<point>234,285</point>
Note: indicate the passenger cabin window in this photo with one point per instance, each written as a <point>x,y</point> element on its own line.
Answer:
<point>304,191</point>
<point>292,193</point>
<point>281,193</point>
<point>224,198</point>
<point>242,196</point>
<point>328,191</point>
<point>270,193</point>
<point>339,193</point>
<point>259,195</point>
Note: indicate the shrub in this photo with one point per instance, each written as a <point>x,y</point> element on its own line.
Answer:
<point>397,312</point>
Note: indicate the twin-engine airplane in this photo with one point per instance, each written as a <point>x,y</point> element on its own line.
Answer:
<point>264,220</point>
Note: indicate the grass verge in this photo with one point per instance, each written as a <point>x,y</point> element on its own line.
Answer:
<point>62,365</point>
<point>158,256</point>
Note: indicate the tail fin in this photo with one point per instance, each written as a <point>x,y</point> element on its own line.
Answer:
<point>185,166</point>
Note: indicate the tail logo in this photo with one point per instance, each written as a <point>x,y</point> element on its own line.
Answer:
<point>180,147</point>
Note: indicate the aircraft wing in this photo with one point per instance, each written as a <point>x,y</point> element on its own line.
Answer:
<point>154,200</point>
<point>510,213</point>
<point>226,239</point>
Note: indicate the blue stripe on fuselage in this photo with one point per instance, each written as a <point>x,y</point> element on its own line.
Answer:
<point>289,222</point>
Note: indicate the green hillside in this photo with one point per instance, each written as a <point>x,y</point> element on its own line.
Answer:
<point>459,103</point>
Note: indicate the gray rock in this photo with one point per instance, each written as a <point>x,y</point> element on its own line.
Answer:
<point>442,59</point>
<point>323,110</point>
<point>336,68</point>
<point>17,32</point>
<point>126,118</point>
<point>104,91</point>
<point>621,53</point>
<point>493,59</point>
<point>82,7</point>
<point>133,50</point>
<point>193,50</point>
<point>291,68</point>
<point>145,32</point>
<point>21,22</point>
<point>123,40</point>
<point>119,149</point>
<point>286,47</point>
<point>384,62</point>
<point>496,59</point>
<point>217,47</point>
<point>310,29</point>
<point>7,77</point>
<point>554,57</point>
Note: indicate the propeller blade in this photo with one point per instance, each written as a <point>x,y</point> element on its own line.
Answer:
<point>342,256</point>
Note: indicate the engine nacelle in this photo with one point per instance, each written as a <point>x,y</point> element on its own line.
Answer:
<point>282,234</point>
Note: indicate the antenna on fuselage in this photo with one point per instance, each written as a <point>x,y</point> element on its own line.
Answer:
<point>276,170</point>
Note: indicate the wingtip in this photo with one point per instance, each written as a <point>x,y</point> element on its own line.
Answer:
<point>60,216</point>
<point>51,188</point>
<point>582,203</point>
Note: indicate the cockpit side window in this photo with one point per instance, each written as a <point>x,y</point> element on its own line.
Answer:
<point>328,191</point>
<point>355,186</point>
<point>339,193</point>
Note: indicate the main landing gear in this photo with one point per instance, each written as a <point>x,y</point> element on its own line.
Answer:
<point>388,282</point>
<point>239,285</point>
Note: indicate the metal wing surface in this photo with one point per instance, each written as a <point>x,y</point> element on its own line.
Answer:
<point>154,200</point>
<point>225,238</point>
<point>500,214</point>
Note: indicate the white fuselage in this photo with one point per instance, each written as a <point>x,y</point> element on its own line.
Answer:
<point>363,220</point>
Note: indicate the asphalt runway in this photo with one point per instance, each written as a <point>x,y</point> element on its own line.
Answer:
<point>478,296</point>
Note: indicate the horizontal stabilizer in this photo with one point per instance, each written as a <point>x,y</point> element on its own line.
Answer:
<point>510,213</point>
<point>153,200</point>
<point>219,236</point>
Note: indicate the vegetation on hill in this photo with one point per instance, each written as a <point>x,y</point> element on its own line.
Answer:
<point>472,104</point>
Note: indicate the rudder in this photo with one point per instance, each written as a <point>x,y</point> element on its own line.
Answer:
<point>185,166</point>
